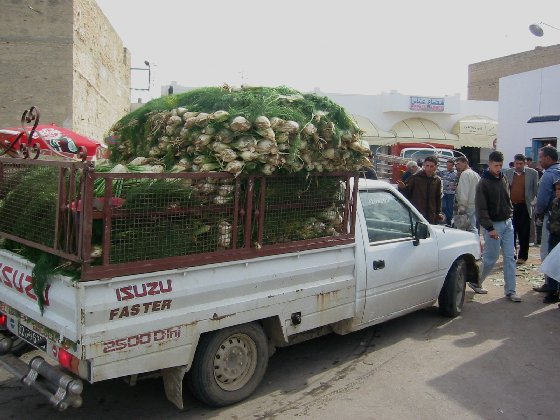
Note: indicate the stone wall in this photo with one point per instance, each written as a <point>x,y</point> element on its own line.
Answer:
<point>64,57</point>
<point>484,76</point>
<point>35,60</point>
<point>101,72</point>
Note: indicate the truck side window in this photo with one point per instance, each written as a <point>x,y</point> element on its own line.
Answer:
<point>387,218</point>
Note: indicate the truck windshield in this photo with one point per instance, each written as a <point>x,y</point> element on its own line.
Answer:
<point>422,154</point>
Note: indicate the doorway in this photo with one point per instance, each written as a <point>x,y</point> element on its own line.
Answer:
<point>537,143</point>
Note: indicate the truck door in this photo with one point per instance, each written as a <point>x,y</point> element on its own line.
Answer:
<point>400,274</point>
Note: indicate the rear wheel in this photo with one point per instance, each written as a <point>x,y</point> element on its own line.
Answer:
<point>229,364</point>
<point>452,295</point>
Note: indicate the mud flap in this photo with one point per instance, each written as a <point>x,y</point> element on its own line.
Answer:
<point>173,384</point>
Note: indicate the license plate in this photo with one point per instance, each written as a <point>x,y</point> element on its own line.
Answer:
<point>32,337</point>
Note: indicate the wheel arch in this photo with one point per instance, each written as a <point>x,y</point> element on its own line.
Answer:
<point>473,270</point>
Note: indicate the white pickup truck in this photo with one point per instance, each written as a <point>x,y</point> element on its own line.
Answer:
<point>218,323</point>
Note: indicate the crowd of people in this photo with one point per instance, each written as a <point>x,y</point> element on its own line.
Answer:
<point>511,206</point>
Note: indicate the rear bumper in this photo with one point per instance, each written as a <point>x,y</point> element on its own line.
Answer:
<point>61,389</point>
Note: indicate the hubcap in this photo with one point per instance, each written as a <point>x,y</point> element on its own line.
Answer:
<point>235,362</point>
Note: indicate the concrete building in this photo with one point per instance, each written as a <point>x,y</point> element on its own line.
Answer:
<point>484,76</point>
<point>423,121</point>
<point>529,111</point>
<point>65,58</point>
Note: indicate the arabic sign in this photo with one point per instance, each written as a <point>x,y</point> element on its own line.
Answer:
<point>421,103</point>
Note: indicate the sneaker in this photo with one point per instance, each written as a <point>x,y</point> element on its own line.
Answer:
<point>520,261</point>
<point>513,297</point>
<point>477,288</point>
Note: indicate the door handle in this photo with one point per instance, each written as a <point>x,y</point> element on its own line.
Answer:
<point>378,264</point>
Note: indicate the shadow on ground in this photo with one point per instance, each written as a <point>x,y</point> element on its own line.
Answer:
<point>514,372</point>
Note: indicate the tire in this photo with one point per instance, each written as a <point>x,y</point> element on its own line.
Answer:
<point>452,295</point>
<point>228,364</point>
<point>19,345</point>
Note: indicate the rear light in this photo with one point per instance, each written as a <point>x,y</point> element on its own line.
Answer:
<point>72,363</point>
<point>3,320</point>
<point>65,359</point>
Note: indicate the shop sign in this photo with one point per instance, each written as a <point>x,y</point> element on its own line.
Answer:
<point>422,103</point>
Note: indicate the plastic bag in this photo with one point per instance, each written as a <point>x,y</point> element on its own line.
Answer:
<point>461,219</point>
<point>551,264</point>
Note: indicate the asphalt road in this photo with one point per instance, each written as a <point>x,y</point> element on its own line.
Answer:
<point>499,360</point>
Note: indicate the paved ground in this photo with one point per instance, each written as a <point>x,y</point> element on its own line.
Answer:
<point>499,360</point>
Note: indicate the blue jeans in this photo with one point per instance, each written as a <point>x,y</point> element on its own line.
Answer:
<point>447,206</point>
<point>544,238</point>
<point>551,283</point>
<point>472,218</point>
<point>492,252</point>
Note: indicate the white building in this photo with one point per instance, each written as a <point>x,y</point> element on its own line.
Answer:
<point>529,111</point>
<point>470,126</point>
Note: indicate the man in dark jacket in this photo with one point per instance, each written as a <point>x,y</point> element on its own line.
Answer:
<point>494,211</point>
<point>423,190</point>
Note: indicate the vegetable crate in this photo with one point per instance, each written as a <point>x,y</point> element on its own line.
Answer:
<point>112,224</point>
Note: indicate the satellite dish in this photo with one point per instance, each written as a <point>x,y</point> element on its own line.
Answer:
<point>536,29</point>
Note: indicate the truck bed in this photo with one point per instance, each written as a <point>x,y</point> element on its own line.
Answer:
<point>140,323</point>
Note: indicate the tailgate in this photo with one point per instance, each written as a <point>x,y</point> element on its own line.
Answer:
<point>61,315</point>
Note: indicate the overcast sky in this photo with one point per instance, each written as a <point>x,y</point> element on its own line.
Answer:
<point>344,46</point>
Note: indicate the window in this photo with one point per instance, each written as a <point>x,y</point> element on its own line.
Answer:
<point>421,154</point>
<point>387,218</point>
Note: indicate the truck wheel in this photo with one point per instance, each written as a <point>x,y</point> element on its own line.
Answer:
<point>228,364</point>
<point>452,295</point>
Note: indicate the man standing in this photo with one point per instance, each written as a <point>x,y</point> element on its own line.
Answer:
<point>466,190</point>
<point>523,183</point>
<point>411,169</point>
<point>423,190</point>
<point>548,160</point>
<point>449,180</point>
<point>494,211</point>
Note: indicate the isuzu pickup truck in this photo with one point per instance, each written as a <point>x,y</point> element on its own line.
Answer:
<point>214,322</point>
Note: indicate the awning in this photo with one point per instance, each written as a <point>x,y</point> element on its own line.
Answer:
<point>373,134</point>
<point>422,130</point>
<point>476,131</point>
<point>544,118</point>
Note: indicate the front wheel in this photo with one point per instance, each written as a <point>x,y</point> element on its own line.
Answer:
<point>229,364</point>
<point>452,294</point>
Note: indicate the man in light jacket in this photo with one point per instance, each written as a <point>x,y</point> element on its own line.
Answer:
<point>466,190</point>
<point>523,186</point>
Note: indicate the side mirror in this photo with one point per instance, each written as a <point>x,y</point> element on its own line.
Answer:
<point>421,231</point>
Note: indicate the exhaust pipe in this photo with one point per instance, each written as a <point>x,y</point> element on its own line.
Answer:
<point>60,389</point>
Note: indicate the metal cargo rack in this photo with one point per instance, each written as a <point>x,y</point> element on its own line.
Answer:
<point>112,224</point>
